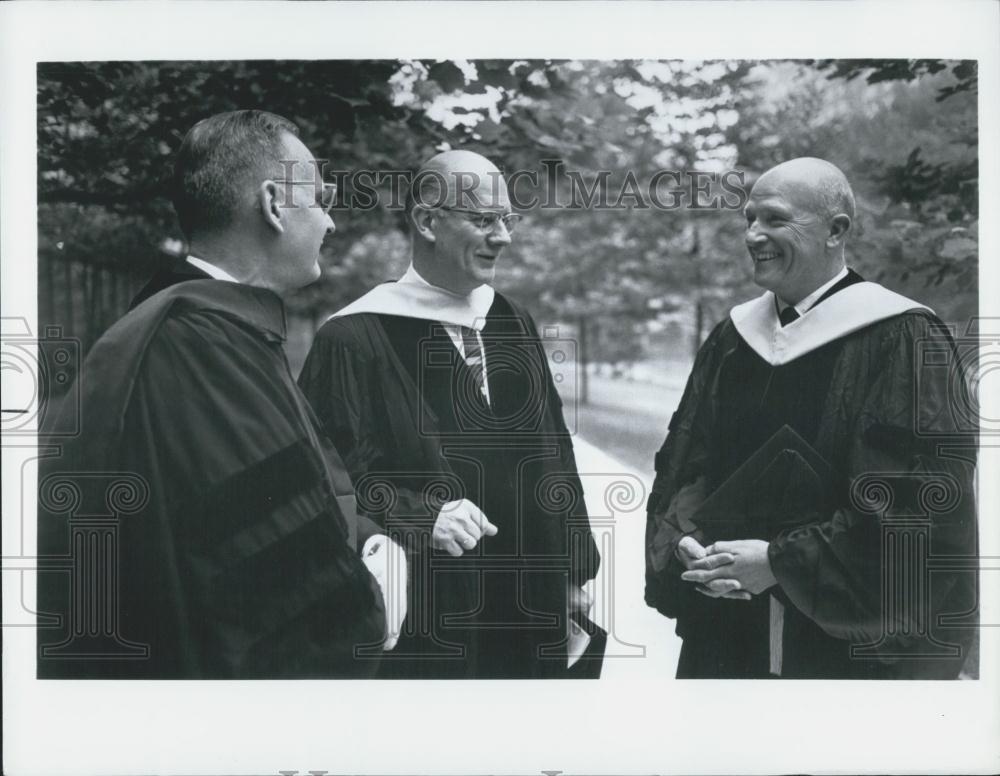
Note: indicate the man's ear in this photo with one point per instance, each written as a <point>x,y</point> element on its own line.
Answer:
<point>269,199</point>
<point>423,223</point>
<point>840,225</point>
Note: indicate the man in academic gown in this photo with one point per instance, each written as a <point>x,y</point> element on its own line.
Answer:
<point>859,564</point>
<point>200,526</point>
<point>179,270</point>
<point>437,392</point>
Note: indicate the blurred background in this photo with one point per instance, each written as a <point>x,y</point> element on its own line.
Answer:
<point>624,290</point>
<point>633,288</point>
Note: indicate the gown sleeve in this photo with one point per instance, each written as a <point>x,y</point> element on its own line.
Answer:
<point>238,566</point>
<point>680,484</point>
<point>275,584</point>
<point>841,571</point>
<point>374,424</point>
<point>585,558</point>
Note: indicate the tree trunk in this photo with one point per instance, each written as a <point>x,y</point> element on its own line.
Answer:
<point>47,313</point>
<point>582,361</point>
<point>699,280</point>
<point>69,294</point>
<point>117,296</point>
<point>699,325</point>
<point>89,317</point>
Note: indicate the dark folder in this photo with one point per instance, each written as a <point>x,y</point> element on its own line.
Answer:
<point>782,485</point>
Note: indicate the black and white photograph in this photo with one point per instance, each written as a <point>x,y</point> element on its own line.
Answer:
<point>354,391</point>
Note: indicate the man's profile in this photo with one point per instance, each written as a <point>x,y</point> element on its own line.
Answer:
<point>234,551</point>
<point>766,537</point>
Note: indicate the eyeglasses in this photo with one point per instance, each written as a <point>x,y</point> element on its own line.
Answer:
<point>326,193</point>
<point>486,220</point>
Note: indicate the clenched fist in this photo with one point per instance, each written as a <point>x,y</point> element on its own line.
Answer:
<point>459,527</point>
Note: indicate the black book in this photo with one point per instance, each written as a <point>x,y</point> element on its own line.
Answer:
<point>784,484</point>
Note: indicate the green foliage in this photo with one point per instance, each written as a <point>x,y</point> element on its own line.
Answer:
<point>107,132</point>
<point>904,131</point>
<point>912,161</point>
<point>964,72</point>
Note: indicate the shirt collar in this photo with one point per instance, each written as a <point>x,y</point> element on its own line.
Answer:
<point>805,304</point>
<point>412,276</point>
<point>210,269</point>
<point>260,307</point>
<point>413,297</point>
<point>479,302</point>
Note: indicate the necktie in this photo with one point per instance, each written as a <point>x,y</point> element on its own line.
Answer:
<point>787,315</point>
<point>474,360</point>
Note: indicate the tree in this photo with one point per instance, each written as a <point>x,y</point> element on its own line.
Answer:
<point>107,132</point>
<point>911,161</point>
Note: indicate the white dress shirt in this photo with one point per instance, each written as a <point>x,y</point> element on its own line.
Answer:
<point>805,304</point>
<point>454,332</point>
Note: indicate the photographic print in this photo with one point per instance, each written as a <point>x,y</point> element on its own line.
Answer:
<point>427,381</point>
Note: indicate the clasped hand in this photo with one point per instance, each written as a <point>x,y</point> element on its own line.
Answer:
<point>736,569</point>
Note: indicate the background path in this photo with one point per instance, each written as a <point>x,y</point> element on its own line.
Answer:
<point>640,640</point>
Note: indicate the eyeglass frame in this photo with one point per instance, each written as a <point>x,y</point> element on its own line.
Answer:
<point>323,186</point>
<point>509,220</point>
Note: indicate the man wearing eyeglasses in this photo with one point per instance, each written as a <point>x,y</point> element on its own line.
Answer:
<point>237,555</point>
<point>225,255</point>
<point>436,390</point>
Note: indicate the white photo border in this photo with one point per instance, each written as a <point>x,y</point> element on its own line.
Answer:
<point>658,725</point>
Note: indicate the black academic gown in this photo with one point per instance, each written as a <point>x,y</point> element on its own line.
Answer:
<point>179,271</point>
<point>882,420</point>
<point>194,529</point>
<point>401,406</point>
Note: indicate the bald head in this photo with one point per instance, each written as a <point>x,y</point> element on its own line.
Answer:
<point>798,217</point>
<point>457,204</point>
<point>817,182</point>
<point>459,179</point>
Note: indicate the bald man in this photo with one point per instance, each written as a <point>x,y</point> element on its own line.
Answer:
<point>766,537</point>
<point>437,392</point>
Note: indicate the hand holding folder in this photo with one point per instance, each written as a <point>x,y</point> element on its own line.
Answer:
<point>780,486</point>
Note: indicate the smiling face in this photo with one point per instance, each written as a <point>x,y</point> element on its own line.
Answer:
<point>789,236</point>
<point>467,253</point>
<point>452,249</point>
